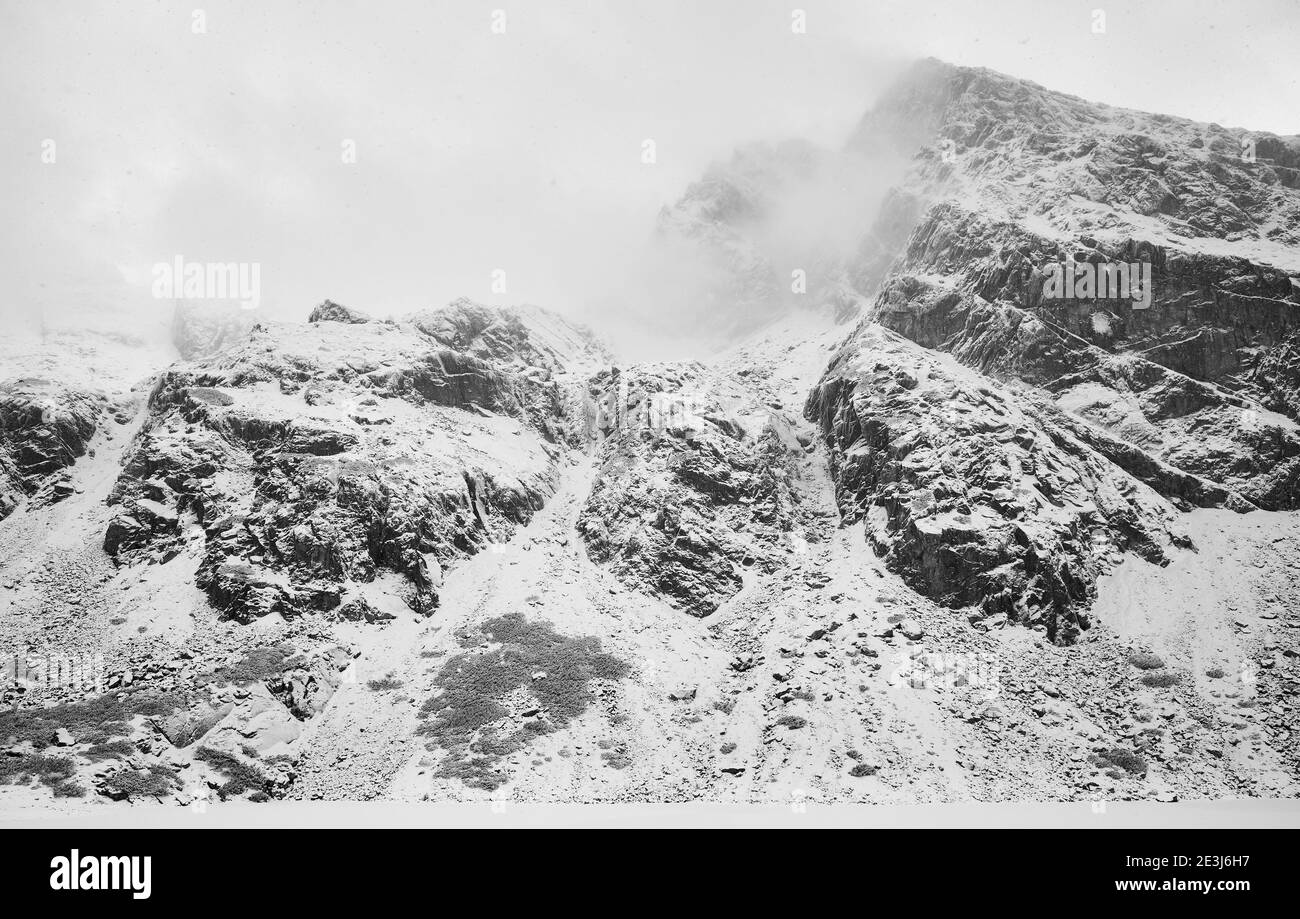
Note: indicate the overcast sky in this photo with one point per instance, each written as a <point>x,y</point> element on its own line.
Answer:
<point>520,151</point>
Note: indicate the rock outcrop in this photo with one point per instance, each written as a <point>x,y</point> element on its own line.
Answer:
<point>694,485</point>
<point>44,429</point>
<point>980,497</point>
<point>329,311</point>
<point>336,467</point>
<point>525,339</point>
<point>1105,410</point>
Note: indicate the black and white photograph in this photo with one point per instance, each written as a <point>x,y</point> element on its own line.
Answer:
<point>713,414</point>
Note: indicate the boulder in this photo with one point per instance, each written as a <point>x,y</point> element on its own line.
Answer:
<point>329,311</point>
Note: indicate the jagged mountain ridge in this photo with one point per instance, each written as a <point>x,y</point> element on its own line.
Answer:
<point>385,495</point>
<point>1184,396</point>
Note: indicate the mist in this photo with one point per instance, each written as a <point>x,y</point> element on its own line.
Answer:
<point>760,234</point>
<point>438,150</point>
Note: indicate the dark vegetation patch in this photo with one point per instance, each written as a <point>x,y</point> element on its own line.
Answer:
<point>727,748</point>
<point>793,722</point>
<point>96,720</point>
<point>156,781</point>
<point>386,684</point>
<point>240,776</point>
<point>54,772</point>
<point>1162,680</point>
<point>616,759</point>
<point>467,717</point>
<point>111,749</point>
<point>862,769</point>
<point>1120,759</point>
<point>1145,660</point>
<point>258,664</point>
<point>1216,673</point>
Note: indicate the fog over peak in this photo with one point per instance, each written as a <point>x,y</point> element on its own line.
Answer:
<point>482,155</point>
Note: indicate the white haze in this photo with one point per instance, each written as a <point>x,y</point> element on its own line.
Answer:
<point>806,211</point>
<point>521,152</point>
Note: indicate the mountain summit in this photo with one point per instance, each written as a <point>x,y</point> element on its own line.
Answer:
<point>950,514</point>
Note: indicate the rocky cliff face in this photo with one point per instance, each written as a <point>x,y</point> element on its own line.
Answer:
<point>310,461</point>
<point>44,429</point>
<point>693,486</point>
<point>1187,395</point>
<point>921,532</point>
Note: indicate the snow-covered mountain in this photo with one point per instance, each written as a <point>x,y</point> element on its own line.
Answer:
<point>925,529</point>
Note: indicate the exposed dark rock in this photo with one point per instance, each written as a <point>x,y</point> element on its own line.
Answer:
<point>516,338</point>
<point>977,497</point>
<point>1077,425</point>
<point>368,473</point>
<point>694,484</point>
<point>329,311</point>
<point>44,429</point>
